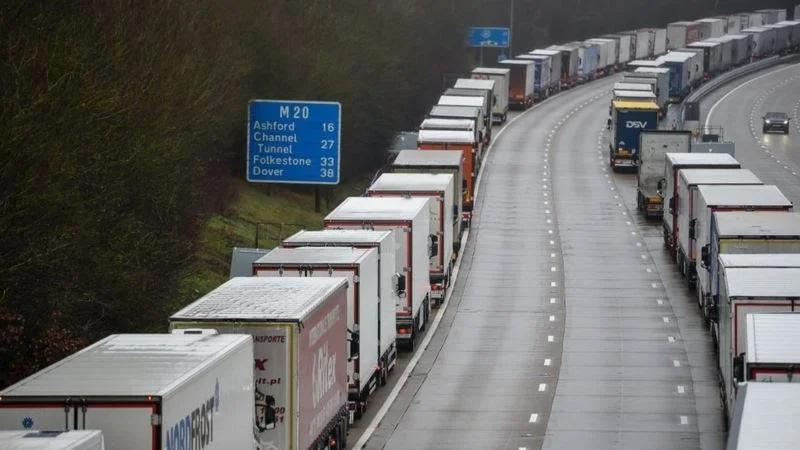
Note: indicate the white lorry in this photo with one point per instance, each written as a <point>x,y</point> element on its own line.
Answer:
<point>497,84</point>
<point>745,291</point>
<point>144,391</point>
<point>370,321</point>
<point>674,163</point>
<point>651,167</point>
<point>735,236</point>
<point>438,161</point>
<point>51,440</point>
<point>411,218</point>
<point>444,221</point>
<point>299,330</point>
<point>765,417</point>
<point>689,182</point>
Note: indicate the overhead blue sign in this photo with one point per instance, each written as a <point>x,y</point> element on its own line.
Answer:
<point>293,141</point>
<point>488,37</point>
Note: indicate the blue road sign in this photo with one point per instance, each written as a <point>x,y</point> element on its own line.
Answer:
<point>488,37</point>
<point>292,141</point>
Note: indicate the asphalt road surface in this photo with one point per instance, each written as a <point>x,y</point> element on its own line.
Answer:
<point>568,326</point>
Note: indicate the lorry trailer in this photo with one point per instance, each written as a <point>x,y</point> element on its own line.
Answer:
<point>679,34</point>
<point>543,70</point>
<point>661,75</point>
<point>558,76</point>
<point>569,64</point>
<point>470,99</point>
<point>144,391</point>
<point>710,199</point>
<point>444,221</point>
<point>748,291</point>
<point>370,321</point>
<point>442,140</point>
<point>298,362</point>
<point>689,181</point>
<point>670,196</point>
<point>521,82</point>
<point>650,174</point>
<point>765,417</point>
<point>51,440</point>
<point>628,119</point>
<point>411,218</point>
<point>438,161</point>
<point>464,113</point>
<point>499,85</point>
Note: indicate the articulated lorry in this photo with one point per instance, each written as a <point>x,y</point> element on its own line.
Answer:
<point>144,391</point>
<point>675,162</point>
<point>521,82</point>
<point>651,168</point>
<point>296,373</point>
<point>628,120</point>
<point>439,188</point>
<point>411,218</point>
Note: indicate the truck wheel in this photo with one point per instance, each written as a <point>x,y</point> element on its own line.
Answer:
<point>639,202</point>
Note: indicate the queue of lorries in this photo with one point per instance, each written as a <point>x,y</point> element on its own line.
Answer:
<point>697,51</point>
<point>288,358</point>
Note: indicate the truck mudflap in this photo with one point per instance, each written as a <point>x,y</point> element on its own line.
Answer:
<point>621,158</point>
<point>653,207</point>
<point>466,218</point>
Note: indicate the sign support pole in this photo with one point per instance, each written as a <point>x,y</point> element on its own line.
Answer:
<point>316,198</point>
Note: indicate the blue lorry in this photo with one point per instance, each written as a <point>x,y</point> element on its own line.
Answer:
<point>628,119</point>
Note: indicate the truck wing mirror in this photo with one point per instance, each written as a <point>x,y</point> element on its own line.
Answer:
<point>662,183</point>
<point>692,224</point>
<point>705,256</point>
<point>265,411</point>
<point>713,309</point>
<point>399,284</point>
<point>433,245</point>
<point>354,344</point>
<point>738,368</point>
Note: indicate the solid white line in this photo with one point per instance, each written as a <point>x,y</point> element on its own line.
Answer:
<point>373,425</point>
<point>542,387</point>
<point>547,362</point>
<point>714,107</point>
<point>534,418</point>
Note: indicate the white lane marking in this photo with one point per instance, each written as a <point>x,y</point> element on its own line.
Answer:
<point>373,425</point>
<point>681,389</point>
<point>552,318</point>
<point>552,299</point>
<point>547,361</point>
<point>670,339</point>
<point>684,420</point>
<point>660,302</point>
<point>534,418</point>
<point>676,363</point>
<point>553,269</point>
<point>550,338</point>
<point>714,107</point>
<point>553,284</point>
<point>542,387</point>
<point>665,319</point>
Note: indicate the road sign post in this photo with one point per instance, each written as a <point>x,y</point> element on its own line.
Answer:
<point>291,141</point>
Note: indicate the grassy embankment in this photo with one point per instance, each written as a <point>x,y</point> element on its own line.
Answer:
<point>280,212</point>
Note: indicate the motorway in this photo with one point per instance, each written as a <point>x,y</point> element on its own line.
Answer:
<point>569,327</point>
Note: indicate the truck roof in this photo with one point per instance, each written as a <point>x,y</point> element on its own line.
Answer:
<point>353,237</point>
<point>763,282</point>
<point>461,100</point>
<point>645,63</point>
<point>631,86</point>
<point>681,23</point>
<point>651,70</point>
<point>50,440</point>
<point>542,51</point>
<point>731,260</point>
<point>705,43</point>
<point>378,208</point>
<point>404,182</point>
<point>329,256</point>
<point>772,338</point>
<point>469,83</point>
<point>709,19</point>
<point>676,57</point>
<point>765,417</point>
<point>128,365</point>
<point>634,94</point>
<point>718,176</point>
<point>492,70</point>
<point>284,299</point>
<point>743,196</point>
<point>435,158</point>
<point>445,136</point>
<point>757,223</point>
<point>472,112</point>
<point>435,123</point>
<point>683,159</point>
<point>635,104</point>
<point>516,62</point>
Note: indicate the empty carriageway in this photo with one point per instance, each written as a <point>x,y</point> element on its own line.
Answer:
<point>559,333</point>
